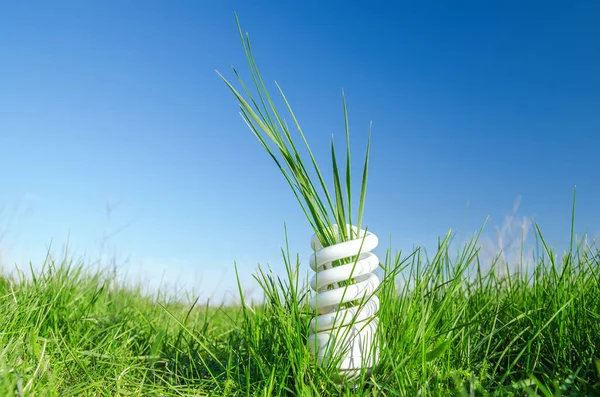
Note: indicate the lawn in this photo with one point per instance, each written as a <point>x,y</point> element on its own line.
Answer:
<point>449,328</point>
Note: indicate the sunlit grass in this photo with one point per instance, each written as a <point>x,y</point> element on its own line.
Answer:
<point>449,329</point>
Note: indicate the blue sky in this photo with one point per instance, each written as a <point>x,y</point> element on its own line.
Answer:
<point>106,103</point>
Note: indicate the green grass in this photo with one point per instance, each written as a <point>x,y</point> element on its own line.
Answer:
<point>450,328</point>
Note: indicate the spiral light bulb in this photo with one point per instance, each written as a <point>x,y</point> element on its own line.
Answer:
<point>345,322</point>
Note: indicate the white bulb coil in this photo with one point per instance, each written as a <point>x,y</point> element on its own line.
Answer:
<point>345,332</point>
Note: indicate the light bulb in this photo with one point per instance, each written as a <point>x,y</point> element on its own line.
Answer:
<point>345,324</point>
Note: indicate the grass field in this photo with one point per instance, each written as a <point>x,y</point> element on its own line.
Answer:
<point>449,328</point>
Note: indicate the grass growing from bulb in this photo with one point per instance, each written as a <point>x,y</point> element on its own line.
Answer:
<point>323,210</point>
<point>450,328</point>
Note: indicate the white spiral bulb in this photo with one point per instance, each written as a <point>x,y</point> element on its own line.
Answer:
<point>345,333</point>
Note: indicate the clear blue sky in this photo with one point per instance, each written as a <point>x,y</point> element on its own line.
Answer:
<point>473,105</point>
